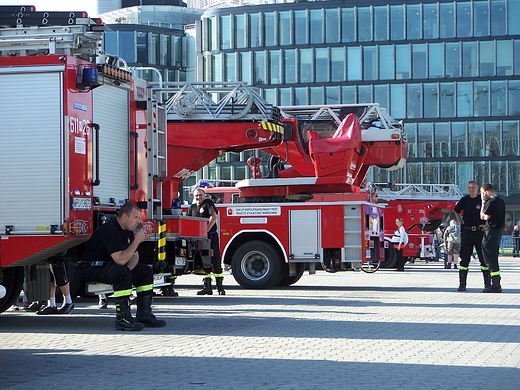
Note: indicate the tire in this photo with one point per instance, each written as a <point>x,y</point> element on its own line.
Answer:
<point>288,280</point>
<point>257,265</point>
<point>12,280</point>
<point>390,258</point>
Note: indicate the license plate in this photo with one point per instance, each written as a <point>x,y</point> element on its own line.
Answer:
<point>81,203</point>
<point>180,261</point>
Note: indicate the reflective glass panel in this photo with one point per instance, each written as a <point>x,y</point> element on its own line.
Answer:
<point>369,63</point>
<point>397,99</point>
<point>475,138</point>
<point>348,32</point>
<point>332,95</point>
<point>365,94</point>
<point>285,96</point>
<point>431,100</point>
<point>284,27</point>
<point>498,98</point>
<point>425,140</point>
<point>513,27</point>
<point>487,58</point>
<point>274,66</point>
<point>493,145</point>
<point>225,32</point>
<point>396,22</point>
<point>402,62</point>
<point>499,180</point>
<point>306,66</point>
<point>240,31</point>
<point>354,63</point>
<point>300,96</point>
<point>290,66</point>
<point>510,139</point>
<point>300,27</point>
<point>245,67</point>
<point>464,99</point>
<point>316,95</point>
<point>381,23</point>
<point>480,19</point>
<point>216,67</point>
<point>419,61</point>
<point>259,67</point>
<point>230,67</point>
<point>413,21</point>
<point>414,101</point>
<point>464,25</point>
<point>469,59</point>
<point>316,25</point>
<point>504,58</point>
<point>430,22</point>
<point>447,173</point>
<point>513,97</point>
<point>516,57</point>
<point>435,60</point>
<point>381,95</point>
<point>413,173</point>
<point>337,63</point>
<point>411,137</point>
<point>348,94</point>
<point>513,177</point>
<point>127,46</point>
<point>331,25</point>
<point>364,23</point>
<point>453,59</point>
<point>322,65</point>
<point>447,20</point>
<point>269,28</point>
<point>498,17</point>
<point>254,30</point>
<point>442,140</point>
<point>386,62</point>
<point>110,44</point>
<point>481,98</point>
<point>458,139</point>
<point>212,38</point>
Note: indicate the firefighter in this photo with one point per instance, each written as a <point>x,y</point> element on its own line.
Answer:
<point>205,208</point>
<point>58,278</point>
<point>471,234</point>
<point>111,257</point>
<point>493,211</point>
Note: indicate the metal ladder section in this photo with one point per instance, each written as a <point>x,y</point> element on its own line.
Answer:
<point>157,157</point>
<point>418,191</point>
<point>376,123</point>
<point>80,40</point>
<point>221,101</point>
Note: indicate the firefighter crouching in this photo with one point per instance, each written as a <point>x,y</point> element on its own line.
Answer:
<point>111,257</point>
<point>205,208</point>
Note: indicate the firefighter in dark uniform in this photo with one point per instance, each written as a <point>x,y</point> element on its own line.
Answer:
<point>471,234</point>
<point>205,208</point>
<point>493,211</point>
<point>111,257</point>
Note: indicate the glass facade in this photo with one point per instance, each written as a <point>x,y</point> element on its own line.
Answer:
<point>449,69</point>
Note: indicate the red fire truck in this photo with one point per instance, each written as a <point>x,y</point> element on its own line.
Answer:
<point>312,207</point>
<point>81,135</point>
<point>422,208</point>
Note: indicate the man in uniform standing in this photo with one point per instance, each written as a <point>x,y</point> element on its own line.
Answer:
<point>493,211</point>
<point>471,234</point>
<point>205,208</point>
<point>111,257</point>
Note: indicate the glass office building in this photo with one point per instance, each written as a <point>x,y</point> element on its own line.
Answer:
<point>449,69</point>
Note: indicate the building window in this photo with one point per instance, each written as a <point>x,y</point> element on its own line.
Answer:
<point>381,95</point>
<point>431,100</point>
<point>331,26</point>
<point>386,62</point>
<point>419,63</point>
<point>487,58</point>
<point>469,59</point>
<point>142,47</point>
<point>513,87</point>
<point>364,24</point>
<point>269,29</point>
<point>348,94</point>
<point>300,96</point>
<point>337,63</point>
<point>332,95</point>
<point>396,22</point>
<point>493,144</point>
<point>453,60</point>
<point>306,66</point>
<point>300,24</point>
<point>274,66</point>
<point>284,28</point>
<point>290,66</point>
<point>240,32</point>
<point>259,67</point>
<point>475,137</point>
<point>216,67</point>
<point>284,98</point>
<point>365,94</point>
<point>504,58</point>
<point>430,21</point>
<point>369,63</point>
<point>127,46</point>
<point>254,30</point>
<point>435,60</point>
<point>322,65</point>
<point>316,95</point>
<point>510,138</point>
<point>447,100</point>
<point>316,26</point>
<point>381,23</point>
<point>411,137</point>
<point>402,62</point>
<point>212,38</point>
<point>513,27</point>
<point>225,32</point>
<point>458,139</point>
<point>481,98</point>
<point>354,63</point>
<point>464,99</point>
<point>498,16</point>
<point>413,21</point>
<point>442,140</point>
<point>425,140</point>
<point>464,25</point>
<point>245,67</point>
<point>230,67</point>
<point>397,101</point>
<point>498,98</point>
<point>414,100</point>
<point>348,25</point>
<point>447,20</point>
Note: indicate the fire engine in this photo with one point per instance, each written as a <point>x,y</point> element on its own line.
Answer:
<point>314,206</point>
<point>422,208</point>
<point>81,135</point>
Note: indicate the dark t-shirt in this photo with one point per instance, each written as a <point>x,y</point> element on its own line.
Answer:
<point>496,209</point>
<point>470,209</point>
<point>107,239</point>
<point>203,211</point>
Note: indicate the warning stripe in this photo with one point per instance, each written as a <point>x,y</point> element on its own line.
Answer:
<point>272,127</point>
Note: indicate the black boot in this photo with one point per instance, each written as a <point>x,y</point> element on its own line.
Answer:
<point>207,290</point>
<point>487,279</point>
<point>220,288</point>
<point>168,291</point>
<point>495,286</point>
<point>124,319</point>
<point>463,276</point>
<point>144,311</point>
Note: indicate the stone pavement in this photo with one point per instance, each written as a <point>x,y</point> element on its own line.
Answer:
<point>351,330</point>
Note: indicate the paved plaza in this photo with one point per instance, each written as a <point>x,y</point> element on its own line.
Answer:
<point>351,330</point>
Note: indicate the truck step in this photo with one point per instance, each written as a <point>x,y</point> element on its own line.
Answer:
<point>159,280</point>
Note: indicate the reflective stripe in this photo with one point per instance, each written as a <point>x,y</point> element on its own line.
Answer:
<point>218,275</point>
<point>496,273</point>
<point>122,293</point>
<point>462,268</point>
<point>146,287</point>
<point>207,276</point>
<point>484,268</point>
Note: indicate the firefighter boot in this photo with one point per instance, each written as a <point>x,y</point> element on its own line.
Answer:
<point>144,311</point>
<point>207,290</point>
<point>487,278</point>
<point>220,288</point>
<point>168,291</point>
<point>463,276</point>
<point>124,319</point>
<point>495,286</point>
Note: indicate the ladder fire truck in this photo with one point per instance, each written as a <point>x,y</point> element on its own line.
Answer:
<point>422,208</point>
<point>81,135</point>
<point>313,206</point>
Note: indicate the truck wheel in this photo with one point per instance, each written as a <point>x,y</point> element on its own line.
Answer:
<point>390,258</point>
<point>288,280</point>
<point>256,264</point>
<point>12,280</point>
